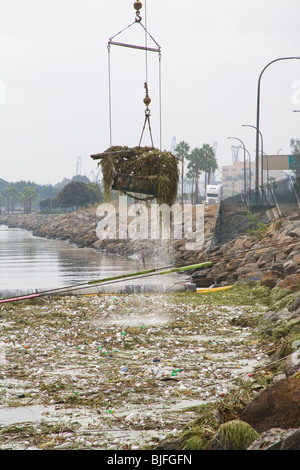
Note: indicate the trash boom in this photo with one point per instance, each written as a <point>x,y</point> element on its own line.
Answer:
<point>151,271</point>
<point>110,280</point>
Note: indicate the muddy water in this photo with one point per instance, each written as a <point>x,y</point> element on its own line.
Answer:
<point>29,263</point>
<point>21,414</point>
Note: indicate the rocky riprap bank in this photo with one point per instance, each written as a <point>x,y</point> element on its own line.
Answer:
<point>79,228</point>
<point>76,227</point>
<point>271,256</point>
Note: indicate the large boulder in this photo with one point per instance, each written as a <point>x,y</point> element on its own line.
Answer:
<point>275,407</point>
<point>294,230</point>
<point>271,277</point>
<point>290,282</point>
<point>233,264</point>
<point>277,439</point>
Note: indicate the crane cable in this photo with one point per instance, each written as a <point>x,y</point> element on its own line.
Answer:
<point>147,100</point>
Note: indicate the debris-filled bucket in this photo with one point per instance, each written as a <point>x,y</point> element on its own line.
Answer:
<point>140,171</point>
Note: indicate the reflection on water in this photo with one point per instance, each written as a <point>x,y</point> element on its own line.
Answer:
<point>28,262</point>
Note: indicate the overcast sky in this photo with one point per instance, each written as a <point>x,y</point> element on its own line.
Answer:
<point>54,79</point>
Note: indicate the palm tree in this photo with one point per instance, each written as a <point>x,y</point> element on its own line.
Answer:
<point>2,200</point>
<point>6,194</point>
<point>209,162</point>
<point>29,193</point>
<point>191,175</point>
<point>195,166</point>
<point>181,151</point>
<point>13,194</point>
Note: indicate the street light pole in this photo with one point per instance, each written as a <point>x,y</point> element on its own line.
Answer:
<point>262,146</point>
<point>267,159</point>
<point>258,119</point>
<point>249,185</point>
<point>243,145</point>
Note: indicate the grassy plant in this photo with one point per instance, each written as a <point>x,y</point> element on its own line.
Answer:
<point>236,435</point>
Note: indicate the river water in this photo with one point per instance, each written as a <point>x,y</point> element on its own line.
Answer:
<point>29,263</point>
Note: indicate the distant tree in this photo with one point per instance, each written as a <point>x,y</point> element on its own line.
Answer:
<point>201,160</point>
<point>191,175</point>
<point>295,145</point>
<point>98,194</point>
<point>29,194</point>
<point>6,195</point>
<point>78,194</point>
<point>194,166</point>
<point>14,195</point>
<point>11,194</point>
<point>46,203</point>
<point>209,163</point>
<point>20,185</point>
<point>48,191</point>
<point>63,183</point>
<point>2,200</point>
<point>3,184</point>
<point>181,151</point>
<point>82,178</point>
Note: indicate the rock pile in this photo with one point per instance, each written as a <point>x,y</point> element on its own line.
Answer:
<point>79,227</point>
<point>272,258</point>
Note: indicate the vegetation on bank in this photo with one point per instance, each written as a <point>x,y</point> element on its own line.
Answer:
<point>200,160</point>
<point>27,197</point>
<point>75,194</point>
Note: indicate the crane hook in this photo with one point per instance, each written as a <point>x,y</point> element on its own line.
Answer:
<point>137,6</point>
<point>147,99</point>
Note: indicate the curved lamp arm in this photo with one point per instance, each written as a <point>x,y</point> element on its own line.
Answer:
<point>258,112</point>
